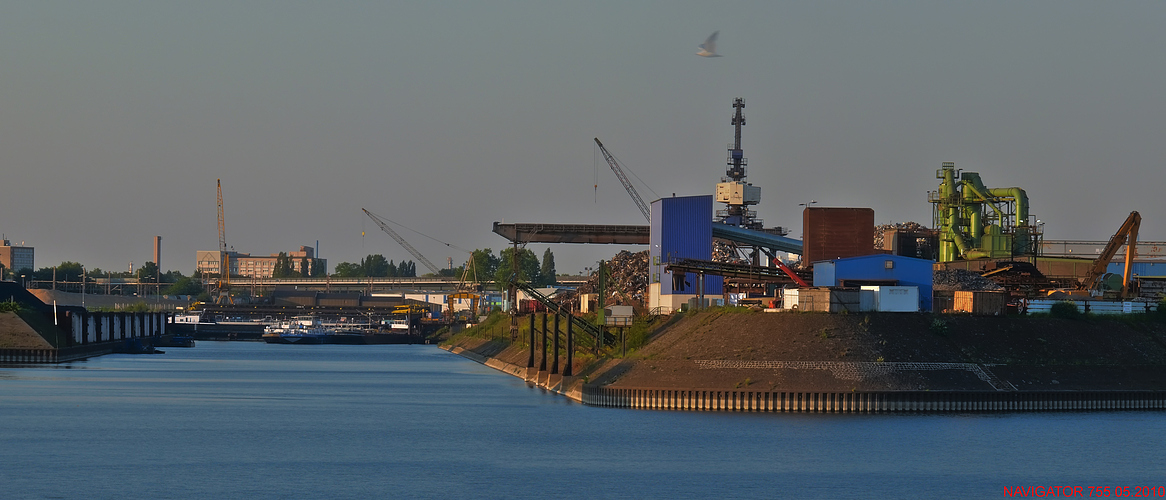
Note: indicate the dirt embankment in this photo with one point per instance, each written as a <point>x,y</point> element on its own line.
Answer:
<point>729,348</point>
<point>16,334</point>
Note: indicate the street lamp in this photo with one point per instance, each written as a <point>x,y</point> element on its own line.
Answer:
<point>808,203</point>
<point>23,282</point>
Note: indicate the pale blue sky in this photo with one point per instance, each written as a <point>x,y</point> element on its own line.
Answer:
<point>116,117</point>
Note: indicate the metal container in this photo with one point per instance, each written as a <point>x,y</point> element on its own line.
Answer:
<point>894,298</point>
<point>834,233</point>
<point>980,303</point>
<point>833,300</point>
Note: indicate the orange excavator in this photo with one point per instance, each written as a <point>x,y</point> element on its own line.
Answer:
<point>1128,235</point>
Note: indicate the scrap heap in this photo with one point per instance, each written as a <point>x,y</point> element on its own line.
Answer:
<point>726,252</point>
<point>629,274</point>
<point>903,227</point>
<point>963,280</point>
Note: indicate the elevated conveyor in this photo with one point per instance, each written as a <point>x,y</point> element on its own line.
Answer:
<point>751,237</point>
<point>633,235</point>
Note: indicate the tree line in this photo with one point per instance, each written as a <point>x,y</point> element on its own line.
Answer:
<point>483,265</point>
<point>375,266</point>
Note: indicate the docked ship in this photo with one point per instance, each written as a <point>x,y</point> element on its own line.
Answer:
<point>202,327</point>
<point>300,330</point>
<point>307,330</point>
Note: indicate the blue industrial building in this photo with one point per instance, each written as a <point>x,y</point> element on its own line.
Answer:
<point>878,269</point>
<point>1143,268</point>
<point>681,229</point>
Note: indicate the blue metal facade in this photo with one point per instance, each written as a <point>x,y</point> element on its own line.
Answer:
<point>1141,269</point>
<point>908,271</point>
<point>682,228</point>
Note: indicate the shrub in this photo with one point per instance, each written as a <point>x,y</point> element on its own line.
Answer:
<point>1065,310</point>
<point>938,326</point>
<point>9,306</point>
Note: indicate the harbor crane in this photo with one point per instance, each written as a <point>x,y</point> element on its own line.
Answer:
<point>412,251</point>
<point>223,285</point>
<point>623,179</point>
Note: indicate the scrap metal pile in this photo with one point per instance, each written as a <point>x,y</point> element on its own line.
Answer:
<point>962,280</point>
<point>905,227</point>
<point>628,272</point>
<point>726,252</point>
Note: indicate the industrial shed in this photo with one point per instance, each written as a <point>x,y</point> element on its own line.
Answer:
<point>681,229</point>
<point>866,270</point>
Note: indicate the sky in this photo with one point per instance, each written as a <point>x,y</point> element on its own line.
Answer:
<point>118,117</point>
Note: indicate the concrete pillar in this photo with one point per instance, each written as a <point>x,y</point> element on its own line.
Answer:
<point>530,360</point>
<point>542,365</point>
<point>555,351</point>
<point>569,371</point>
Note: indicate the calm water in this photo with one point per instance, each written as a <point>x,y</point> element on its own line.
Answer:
<point>250,420</point>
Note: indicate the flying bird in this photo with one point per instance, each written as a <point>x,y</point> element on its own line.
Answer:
<point>709,47</point>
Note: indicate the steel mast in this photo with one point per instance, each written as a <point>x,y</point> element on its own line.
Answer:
<point>733,191</point>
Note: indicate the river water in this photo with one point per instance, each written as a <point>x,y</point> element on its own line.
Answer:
<point>251,420</point>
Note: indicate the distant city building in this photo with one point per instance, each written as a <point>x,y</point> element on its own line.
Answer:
<point>16,258</point>
<point>254,266</point>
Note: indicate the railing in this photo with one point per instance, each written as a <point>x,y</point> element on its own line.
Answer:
<point>552,306</point>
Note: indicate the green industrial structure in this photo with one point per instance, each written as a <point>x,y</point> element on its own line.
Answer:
<point>977,222</point>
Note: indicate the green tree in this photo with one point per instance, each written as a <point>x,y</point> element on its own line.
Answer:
<point>305,271</point>
<point>375,266</point>
<point>407,269</point>
<point>485,264</point>
<point>319,268</point>
<point>185,286</point>
<point>67,271</point>
<point>283,267</point>
<point>148,273</point>
<point>528,268</point>
<point>26,272</point>
<point>547,271</point>
<point>349,270</point>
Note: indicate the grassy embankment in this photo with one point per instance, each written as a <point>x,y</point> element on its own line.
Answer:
<point>1035,352</point>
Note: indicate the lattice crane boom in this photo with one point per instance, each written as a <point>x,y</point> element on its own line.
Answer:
<point>412,251</point>
<point>623,179</point>
<point>224,283</point>
<point>222,222</point>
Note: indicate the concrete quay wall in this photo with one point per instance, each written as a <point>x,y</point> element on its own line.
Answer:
<point>84,334</point>
<point>570,387</point>
<point>869,402</point>
<point>794,401</point>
